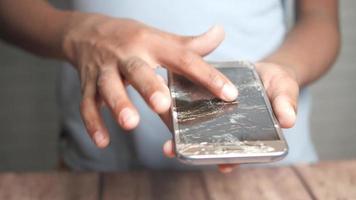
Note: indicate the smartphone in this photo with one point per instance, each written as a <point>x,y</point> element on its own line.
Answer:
<point>207,130</point>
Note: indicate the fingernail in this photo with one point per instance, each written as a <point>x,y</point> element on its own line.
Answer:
<point>291,113</point>
<point>229,92</point>
<point>167,149</point>
<point>127,118</point>
<point>160,102</point>
<point>99,138</point>
<point>288,110</point>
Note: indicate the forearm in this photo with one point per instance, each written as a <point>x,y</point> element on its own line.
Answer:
<point>33,25</point>
<point>311,47</point>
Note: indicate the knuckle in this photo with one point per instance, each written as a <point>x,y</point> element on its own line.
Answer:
<point>92,74</point>
<point>134,65</point>
<point>215,79</point>
<point>103,50</point>
<point>89,73</point>
<point>103,45</point>
<point>95,43</point>
<point>102,80</point>
<point>88,78</point>
<point>141,34</point>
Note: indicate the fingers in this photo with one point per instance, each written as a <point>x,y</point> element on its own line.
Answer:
<point>168,149</point>
<point>114,94</point>
<point>91,115</point>
<point>166,116</point>
<point>147,83</point>
<point>283,107</point>
<point>206,42</point>
<point>282,91</point>
<point>196,69</point>
<point>200,44</point>
<point>183,56</point>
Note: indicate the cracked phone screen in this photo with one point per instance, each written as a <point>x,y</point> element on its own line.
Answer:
<point>203,119</point>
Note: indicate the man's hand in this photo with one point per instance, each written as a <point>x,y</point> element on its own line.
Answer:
<point>282,89</point>
<point>110,52</point>
<point>299,62</point>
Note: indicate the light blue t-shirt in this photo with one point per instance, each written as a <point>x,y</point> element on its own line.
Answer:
<point>253,29</point>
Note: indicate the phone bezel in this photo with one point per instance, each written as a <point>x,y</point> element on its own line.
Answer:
<point>280,147</point>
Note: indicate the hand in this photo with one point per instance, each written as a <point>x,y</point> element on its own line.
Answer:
<point>109,52</point>
<point>282,90</point>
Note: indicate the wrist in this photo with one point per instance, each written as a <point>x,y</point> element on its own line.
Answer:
<point>79,26</point>
<point>68,20</point>
<point>52,31</point>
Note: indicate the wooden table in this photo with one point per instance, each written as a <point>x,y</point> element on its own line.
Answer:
<point>326,180</point>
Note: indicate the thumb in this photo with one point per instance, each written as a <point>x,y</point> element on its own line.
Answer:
<point>283,93</point>
<point>207,42</point>
<point>284,110</point>
<point>282,90</point>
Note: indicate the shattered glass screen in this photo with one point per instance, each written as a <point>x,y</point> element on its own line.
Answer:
<point>203,118</point>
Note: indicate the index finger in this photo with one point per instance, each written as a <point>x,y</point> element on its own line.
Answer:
<point>193,67</point>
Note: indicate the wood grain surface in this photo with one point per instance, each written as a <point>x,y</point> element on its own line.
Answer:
<point>50,185</point>
<point>330,180</point>
<point>257,183</point>
<point>325,180</point>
